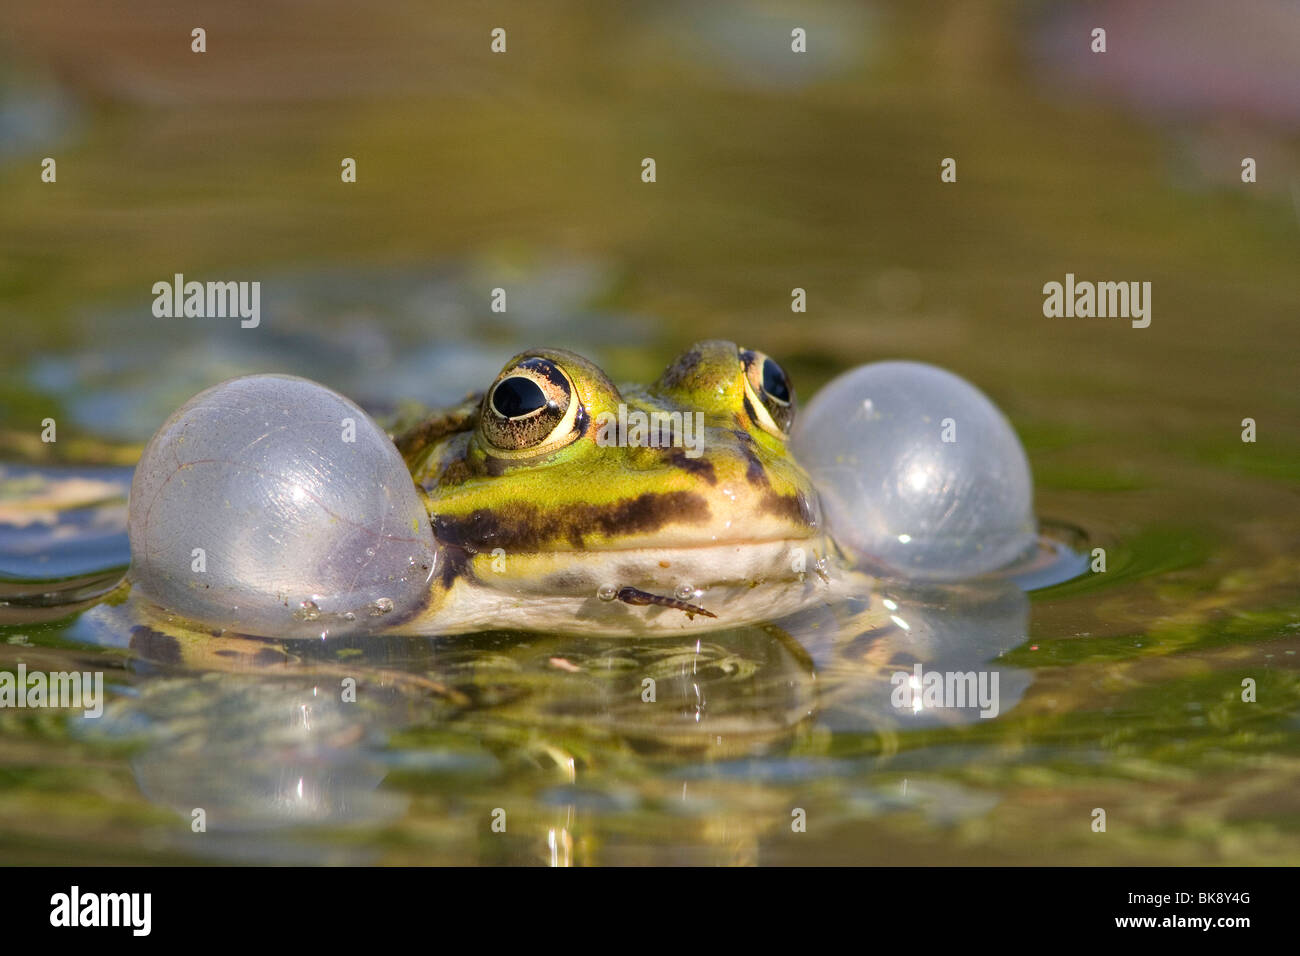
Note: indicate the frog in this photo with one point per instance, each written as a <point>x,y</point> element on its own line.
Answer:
<point>561,500</point>
<point>552,500</point>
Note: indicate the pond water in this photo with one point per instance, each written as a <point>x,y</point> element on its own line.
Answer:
<point>1120,690</point>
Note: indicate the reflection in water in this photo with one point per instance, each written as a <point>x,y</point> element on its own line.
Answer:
<point>257,754</point>
<point>954,630</point>
<point>552,748</point>
<point>62,523</point>
<point>554,738</point>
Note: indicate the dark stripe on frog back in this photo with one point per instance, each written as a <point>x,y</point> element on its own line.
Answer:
<point>795,507</point>
<point>525,528</point>
<point>455,564</point>
<point>755,473</point>
<point>700,467</point>
<point>682,367</point>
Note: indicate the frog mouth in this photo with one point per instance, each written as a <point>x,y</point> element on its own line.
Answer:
<point>627,590</point>
<point>670,577</point>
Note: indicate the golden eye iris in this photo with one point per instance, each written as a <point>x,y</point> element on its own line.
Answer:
<point>530,408</point>
<point>769,396</point>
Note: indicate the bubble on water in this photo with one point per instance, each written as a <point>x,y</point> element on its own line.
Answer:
<point>918,471</point>
<point>607,593</point>
<point>254,472</point>
<point>380,607</point>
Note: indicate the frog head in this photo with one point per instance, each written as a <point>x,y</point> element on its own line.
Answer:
<point>560,482</point>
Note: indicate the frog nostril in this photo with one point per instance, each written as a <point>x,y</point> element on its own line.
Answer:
<point>517,396</point>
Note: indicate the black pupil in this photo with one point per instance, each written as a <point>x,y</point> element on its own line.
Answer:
<point>517,396</point>
<point>774,381</point>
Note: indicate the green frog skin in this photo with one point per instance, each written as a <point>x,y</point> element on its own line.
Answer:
<point>549,515</point>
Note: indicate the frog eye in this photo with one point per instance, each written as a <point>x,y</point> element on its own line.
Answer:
<point>769,396</point>
<point>530,408</point>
